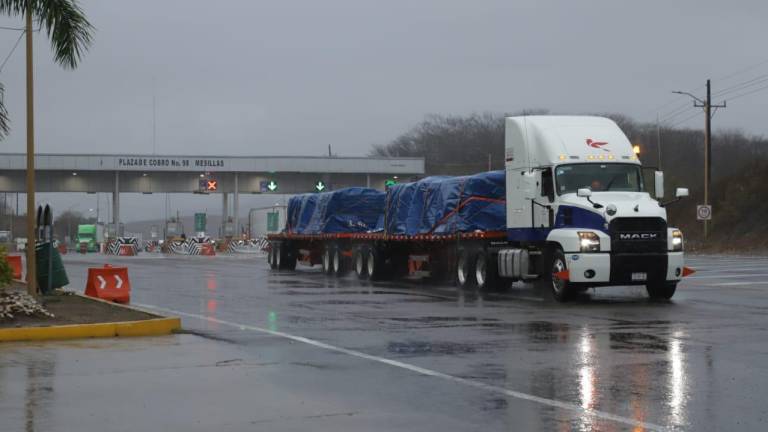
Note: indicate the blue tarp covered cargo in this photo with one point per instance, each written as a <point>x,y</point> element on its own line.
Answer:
<point>347,210</point>
<point>444,205</point>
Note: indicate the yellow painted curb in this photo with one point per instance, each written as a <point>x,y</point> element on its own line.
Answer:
<point>149,327</point>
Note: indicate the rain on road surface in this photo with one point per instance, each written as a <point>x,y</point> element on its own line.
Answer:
<point>301,351</point>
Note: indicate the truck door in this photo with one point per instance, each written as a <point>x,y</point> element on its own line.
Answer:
<point>543,210</point>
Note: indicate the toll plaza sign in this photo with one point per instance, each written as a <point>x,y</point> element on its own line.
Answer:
<point>170,163</point>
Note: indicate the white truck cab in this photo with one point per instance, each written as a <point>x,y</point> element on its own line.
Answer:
<point>579,212</point>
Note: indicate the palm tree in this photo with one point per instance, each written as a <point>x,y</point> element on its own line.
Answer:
<point>66,26</point>
<point>70,35</point>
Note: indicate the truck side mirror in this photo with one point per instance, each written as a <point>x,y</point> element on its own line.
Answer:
<point>584,192</point>
<point>681,193</point>
<point>659,184</point>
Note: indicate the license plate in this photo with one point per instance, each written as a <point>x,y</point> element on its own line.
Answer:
<point>639,276</point>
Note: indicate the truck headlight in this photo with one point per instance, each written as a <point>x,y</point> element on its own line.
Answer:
<point>677,240</point>
<point>589,241</point>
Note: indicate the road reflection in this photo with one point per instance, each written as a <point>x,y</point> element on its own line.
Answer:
<point>38,392</point>
<point>211,302</point>
<point>642,376</point>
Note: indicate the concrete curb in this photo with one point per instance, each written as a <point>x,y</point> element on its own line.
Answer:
<point>150,327</point>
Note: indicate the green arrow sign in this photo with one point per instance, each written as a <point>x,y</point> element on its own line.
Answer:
<point>320,186</point>
<point>389,182</point>
<point>272,186</point>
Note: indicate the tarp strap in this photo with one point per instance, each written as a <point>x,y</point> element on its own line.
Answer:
<point>461,205</point>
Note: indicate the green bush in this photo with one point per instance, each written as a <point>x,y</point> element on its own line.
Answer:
<point>5,269</point>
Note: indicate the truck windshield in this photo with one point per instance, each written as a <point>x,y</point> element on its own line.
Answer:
<point>598,177</point>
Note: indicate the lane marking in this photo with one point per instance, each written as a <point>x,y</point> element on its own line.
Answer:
<point>755,275</point>
<point>737,284</point>
<point>424,371</point>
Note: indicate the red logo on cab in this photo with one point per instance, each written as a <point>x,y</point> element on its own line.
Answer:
<point>597,144</point>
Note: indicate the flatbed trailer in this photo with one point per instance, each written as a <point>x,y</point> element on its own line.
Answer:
<point>379,256</point>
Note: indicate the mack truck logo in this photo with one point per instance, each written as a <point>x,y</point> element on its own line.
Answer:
<point>597,144</point>
<point>638,236</point>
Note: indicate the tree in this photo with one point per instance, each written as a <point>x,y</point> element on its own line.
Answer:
<point>66,26</point>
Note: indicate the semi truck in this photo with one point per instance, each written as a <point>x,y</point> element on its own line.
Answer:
<point>573,209</point>
<point>90,234</point>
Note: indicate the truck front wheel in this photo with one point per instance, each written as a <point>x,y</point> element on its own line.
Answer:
<point>661,290</point>
<point>555,263</point>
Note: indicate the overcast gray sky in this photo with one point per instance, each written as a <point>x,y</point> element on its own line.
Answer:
<point>290,77</point>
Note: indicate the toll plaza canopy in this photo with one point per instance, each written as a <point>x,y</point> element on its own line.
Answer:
<point>223,175</point>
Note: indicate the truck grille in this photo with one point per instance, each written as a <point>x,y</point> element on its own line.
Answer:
<point>638,235</point>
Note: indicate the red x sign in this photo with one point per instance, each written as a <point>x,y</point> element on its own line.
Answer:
<point>211,185</point>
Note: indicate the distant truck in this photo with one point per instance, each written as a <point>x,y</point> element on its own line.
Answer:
<point>90,234</point>
<point>571,211</point>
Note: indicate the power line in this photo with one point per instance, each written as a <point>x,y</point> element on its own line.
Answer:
<point>683,109</point>
<point>749,92</point>
<point>12,50</point>
<point>720,78</point>
<point>696,114</point>
<point>741,86</point>
<point>741,71</point>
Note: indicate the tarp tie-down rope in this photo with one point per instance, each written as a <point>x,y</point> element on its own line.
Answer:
<point>460,206</point>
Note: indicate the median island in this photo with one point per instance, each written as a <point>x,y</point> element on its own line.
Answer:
<point>68,315</point>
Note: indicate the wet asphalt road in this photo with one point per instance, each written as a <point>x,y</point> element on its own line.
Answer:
<point>301,351</point>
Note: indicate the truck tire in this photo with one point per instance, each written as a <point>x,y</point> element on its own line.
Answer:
<point>465,270</point>
<point>327,260</point>
<point>487,274</point>
<point>278,255</point>
<point>661,290</point>
<point>361,269</point>
<point>554,262</point>
<point>285,258</point>
<point>271,257</point>
<point>375,264</point>
<point>339,265</point>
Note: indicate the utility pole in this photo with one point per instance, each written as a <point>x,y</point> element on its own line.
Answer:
<point>658,139</point>
<point>31,263</point>
<point>707,105</point>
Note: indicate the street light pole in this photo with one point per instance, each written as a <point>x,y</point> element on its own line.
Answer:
<point>31,263</point>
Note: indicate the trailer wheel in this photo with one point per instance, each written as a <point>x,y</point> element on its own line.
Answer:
<point>271,257</point>
<point>327,260</point>
<point>278,251</point>
<point>487,275</point>
<point>339,266</point>
<point>285,259</point>
<point>561,289</point>
<point>361,270</point>
<point>661,290</point>
<point>375,264</point>
<point>289,261</point>
<point>465,270</point>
